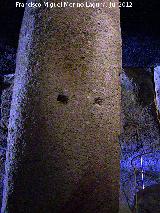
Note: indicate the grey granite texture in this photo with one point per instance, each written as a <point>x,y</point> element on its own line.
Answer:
<point>63,150</point>
<point>4,118</point>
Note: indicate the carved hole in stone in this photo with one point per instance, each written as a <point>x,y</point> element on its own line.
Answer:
<point>98,101</point>
<point>62,99</point>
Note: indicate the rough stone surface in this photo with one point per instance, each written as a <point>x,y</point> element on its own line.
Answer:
<point>140,131</point>
<point>64,157</point>
<point>157,88</point>
<point>5,111</point>
<point>6,100</point>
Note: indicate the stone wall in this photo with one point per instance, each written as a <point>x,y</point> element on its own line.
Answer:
<point>4,119</point>
<point>140,129</point>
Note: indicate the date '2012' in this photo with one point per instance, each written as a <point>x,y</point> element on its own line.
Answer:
<point>125,4</point>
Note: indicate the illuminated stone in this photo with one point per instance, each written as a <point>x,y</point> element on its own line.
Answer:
<point>64,158</point>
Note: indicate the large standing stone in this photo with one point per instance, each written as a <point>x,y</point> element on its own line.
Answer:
<point>63,152</point>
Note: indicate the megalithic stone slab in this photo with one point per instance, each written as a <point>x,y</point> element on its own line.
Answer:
<point>63,150</point>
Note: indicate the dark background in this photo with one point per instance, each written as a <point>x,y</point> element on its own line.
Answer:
<point>142,19</point>
<point>10,22</point>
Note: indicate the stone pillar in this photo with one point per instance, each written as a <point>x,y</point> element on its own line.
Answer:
<point>63,150</point>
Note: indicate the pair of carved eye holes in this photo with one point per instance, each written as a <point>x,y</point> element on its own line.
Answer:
<point>64,99</point>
